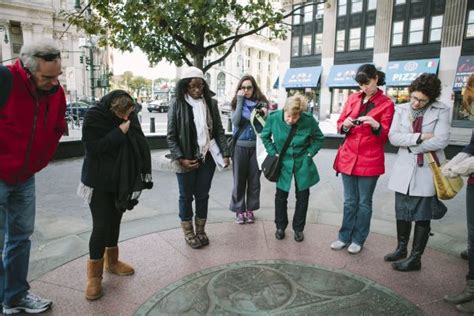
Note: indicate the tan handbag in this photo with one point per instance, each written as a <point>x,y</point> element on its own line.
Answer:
<point>446,188</point>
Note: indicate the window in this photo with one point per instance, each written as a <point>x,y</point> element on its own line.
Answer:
<point>208,79</point>
<point>398,2</point>
<point>415,35</point>
<point>297,17</point>
<point>295,43</point>
<point>341,34</point>
<point>470,24</point>
<point>369,36</point>
<point>318,43</point>
<point>371,5</point>
<point>342,7</point>
<point>248,52</point>
<point>221,84</point>
<point>397,33</point>
<point>308,14</point>
<point>306,45</point>
<point>354,38</point>
<point>260,54</point>
<point>320,11</point>
<point>356,6</point>
<point>436,26</point>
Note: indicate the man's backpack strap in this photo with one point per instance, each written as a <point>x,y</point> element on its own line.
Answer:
<point>6,83</point>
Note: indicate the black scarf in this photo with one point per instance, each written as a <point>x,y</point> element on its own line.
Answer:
<point>132,169</point>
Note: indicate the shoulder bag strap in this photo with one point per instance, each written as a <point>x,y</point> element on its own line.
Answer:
<point>288,140</point>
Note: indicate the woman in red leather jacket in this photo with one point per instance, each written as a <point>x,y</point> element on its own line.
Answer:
<point>365,120</point>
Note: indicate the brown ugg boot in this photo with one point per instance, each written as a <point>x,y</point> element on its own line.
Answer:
<point>113,265</point>
<point>95,269</point>
<point>200,233</point>
<point>189,235</point>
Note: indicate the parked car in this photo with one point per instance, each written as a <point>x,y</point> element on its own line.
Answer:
<point>76,110</point>
<point>225,108</point>
<point>160,106</point>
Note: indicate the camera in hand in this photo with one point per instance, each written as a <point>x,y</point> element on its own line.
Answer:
<point>356,122</point>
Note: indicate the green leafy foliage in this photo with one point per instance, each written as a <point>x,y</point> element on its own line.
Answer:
<point>179,31</point>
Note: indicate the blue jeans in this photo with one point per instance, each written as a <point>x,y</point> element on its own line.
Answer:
<point>470,229</point>
<point>358,192</point>
<point>195,184</point>
<point>17,221</point>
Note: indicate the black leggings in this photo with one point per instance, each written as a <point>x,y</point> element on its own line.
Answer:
<point>105,223</point>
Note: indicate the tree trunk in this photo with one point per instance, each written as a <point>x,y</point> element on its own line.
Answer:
<point>198,61</point>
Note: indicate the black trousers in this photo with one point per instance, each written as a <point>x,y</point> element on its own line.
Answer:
<point>105,223</point>
<point>281,209</point>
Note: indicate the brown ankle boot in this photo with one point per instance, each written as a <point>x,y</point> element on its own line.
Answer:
<point>189,235</point>
<point>200,232</point>
<point>95,269</point>
<point>113,265</point>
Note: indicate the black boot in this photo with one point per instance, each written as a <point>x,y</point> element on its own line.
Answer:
<point>413,263</point>
<point>403,236</point>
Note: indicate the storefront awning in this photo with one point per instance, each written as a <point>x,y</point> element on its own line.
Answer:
<point>277,83</point>
<point>303,77</point>
<point>342,76</point>
<point>463,71</point>
<point>402,73</point>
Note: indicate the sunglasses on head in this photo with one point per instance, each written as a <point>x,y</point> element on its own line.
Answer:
<point>48,57</point>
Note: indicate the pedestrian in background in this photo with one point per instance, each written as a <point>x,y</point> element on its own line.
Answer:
<point>246,192</point>
<point>116,168</point>
<point>463,165</point>
<point>193,122</point>
<point>420,126</point>
<point>32,120</point>
<point>297,161</point>
<point>365,121</point>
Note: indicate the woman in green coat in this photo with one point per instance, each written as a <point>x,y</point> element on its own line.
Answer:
<point>297,161</point>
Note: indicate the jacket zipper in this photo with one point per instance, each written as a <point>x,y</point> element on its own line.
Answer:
<point>30,143</point>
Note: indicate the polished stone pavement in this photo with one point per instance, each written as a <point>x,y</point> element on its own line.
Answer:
<point>153,244</point>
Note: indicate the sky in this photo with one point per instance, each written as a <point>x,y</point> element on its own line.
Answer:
<point>137,63</point>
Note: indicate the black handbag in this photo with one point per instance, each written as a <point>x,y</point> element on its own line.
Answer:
<point>271,166</point>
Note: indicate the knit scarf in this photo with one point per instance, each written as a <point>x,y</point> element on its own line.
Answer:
<point>249,105</point>
<point>132,168</point>
<point>416,116</point>
<point>201,121</point>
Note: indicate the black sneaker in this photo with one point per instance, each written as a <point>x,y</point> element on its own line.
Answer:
<point>31,304</point>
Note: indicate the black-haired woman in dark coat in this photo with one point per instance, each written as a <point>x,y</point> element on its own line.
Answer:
<point>194,125</point>
<point>116,168</point>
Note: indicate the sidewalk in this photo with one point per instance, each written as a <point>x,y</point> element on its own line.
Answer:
<point>153,242</point>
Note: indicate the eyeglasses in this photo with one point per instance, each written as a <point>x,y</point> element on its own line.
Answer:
<point>246,87</point>
<point>48,57</point>
<point>420,101</point>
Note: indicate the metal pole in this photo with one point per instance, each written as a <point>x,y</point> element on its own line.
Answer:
<point>91,68</point>
<point>152,125</point>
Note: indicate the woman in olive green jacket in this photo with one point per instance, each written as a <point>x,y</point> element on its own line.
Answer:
<point>297,161</point>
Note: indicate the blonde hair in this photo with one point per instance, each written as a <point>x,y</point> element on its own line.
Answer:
<point>468,95</point>
<point>121,104</point>
<point>295,105</point>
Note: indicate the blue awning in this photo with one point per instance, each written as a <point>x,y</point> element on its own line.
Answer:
<point>402,73</point>
<point>464,70</point>
<point>342,76</point>
<point>303,77</point>
<point>277,83</point>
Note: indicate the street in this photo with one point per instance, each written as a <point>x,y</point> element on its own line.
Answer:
<point>161,120</point>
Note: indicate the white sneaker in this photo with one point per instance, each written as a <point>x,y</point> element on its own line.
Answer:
<point>338,245</point>
<point>354,248</point>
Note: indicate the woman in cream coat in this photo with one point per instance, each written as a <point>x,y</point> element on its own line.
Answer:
<point>418,127</point>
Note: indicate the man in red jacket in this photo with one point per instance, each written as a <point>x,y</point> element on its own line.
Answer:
<point>32,106</point>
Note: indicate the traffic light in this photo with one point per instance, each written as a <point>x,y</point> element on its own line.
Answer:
<point>81,59</point>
